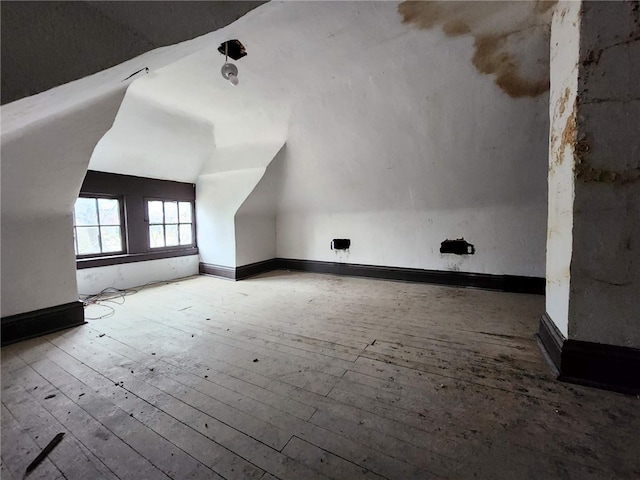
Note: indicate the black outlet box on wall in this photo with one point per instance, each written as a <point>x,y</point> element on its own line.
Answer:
<point>458,247</point>
<point>340,244</point>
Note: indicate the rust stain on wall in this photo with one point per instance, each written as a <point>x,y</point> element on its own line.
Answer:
<point>580,148</point>
<point>568,136</point>
<point>516,52</point>
<point>562,104</point>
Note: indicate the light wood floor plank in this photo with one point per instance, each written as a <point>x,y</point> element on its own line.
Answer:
<point>70,455</point>
<point>354,378</point>
<point>119,457</point>
<point>325,462</point>
<point>191,441</point>
<point>19,450</point>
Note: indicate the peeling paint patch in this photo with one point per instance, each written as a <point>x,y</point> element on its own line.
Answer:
<point>568,136</point>
<point>511,38</point>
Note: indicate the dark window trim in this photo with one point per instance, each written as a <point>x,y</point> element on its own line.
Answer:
<point>123,229</point>
<point>133,193</point>
<point>193,243</point>
<point>133,257</point>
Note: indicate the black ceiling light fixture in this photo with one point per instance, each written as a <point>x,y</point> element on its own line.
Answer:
<point>235,50</point>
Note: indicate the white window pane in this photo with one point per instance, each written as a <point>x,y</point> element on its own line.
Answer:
<point>172,235</point>
<point>88,240</point>
<point>111,239</point>
<point>170,212</point>
<point>85,212</point>
<point>155,212</point>
<point>185,212</point>
<point>186,234</point>
<point>156,236</point>
<point>109,211</point>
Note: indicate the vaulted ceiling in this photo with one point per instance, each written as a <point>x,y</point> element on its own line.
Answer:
<point>46,44</point>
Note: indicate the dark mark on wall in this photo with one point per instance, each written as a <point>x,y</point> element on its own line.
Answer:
<point>458,247</point>
<point>145,69</point>
<point>592,58</point>
<point>496,50</point>
<point>340,244</point>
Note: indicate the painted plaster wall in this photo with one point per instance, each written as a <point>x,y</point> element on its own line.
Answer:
<point>256,219</point>
<point>42,169</point>
<point>379,138</point>
<point>403,144</point>
<point>412,239</point>
<point>36,271</point>
<point>565,44</point>
<point>94,280</point>
<point>605,269</point>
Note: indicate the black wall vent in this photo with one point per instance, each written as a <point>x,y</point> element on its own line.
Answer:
<point>340,244</point>
<point>459,247</point>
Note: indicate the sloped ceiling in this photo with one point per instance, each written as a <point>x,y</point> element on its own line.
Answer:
<point>46,44</point>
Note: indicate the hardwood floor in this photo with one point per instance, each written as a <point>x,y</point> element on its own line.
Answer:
<point>304,376</point>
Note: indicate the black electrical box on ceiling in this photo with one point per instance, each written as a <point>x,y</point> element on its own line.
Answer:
<point>234,49</point>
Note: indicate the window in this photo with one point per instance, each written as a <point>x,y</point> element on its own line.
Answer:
<point>122,219</point>
<point>97,226</point>
<point>170,223</point>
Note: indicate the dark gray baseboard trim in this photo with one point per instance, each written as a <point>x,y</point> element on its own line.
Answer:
<point>505,283</point>
<point>608,367</point>
<point>551,341</point>
<point>217,271</point>
<point>23,326</point>
<point>257,268</point>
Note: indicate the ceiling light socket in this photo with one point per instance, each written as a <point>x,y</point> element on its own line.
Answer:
<point>230,72</point>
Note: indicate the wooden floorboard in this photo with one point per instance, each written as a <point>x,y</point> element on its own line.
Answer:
<point>306,376</point>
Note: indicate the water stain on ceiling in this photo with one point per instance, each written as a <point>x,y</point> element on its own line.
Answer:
<point>511,38</point>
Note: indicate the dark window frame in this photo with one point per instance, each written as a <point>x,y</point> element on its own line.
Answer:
<point>133,192</point>
<point>123,229</point>
<point>193,223</point>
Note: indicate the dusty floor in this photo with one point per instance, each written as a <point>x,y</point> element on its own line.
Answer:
<point>303,376</point>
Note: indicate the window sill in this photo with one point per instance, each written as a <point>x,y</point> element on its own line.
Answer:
<point>133,257</point>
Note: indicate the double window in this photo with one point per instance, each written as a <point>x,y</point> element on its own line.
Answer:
<point>132,219</point>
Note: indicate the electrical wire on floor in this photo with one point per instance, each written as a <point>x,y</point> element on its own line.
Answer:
<point>117,296</point>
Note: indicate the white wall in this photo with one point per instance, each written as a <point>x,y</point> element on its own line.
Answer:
<point>396,136</point>
<point>412,239</point>
<point>127,275</point>
<point>565,45</point>
<point>403,143</point>
<point>43,165</point>
<point>256,219</point>
<point>38,263</point>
